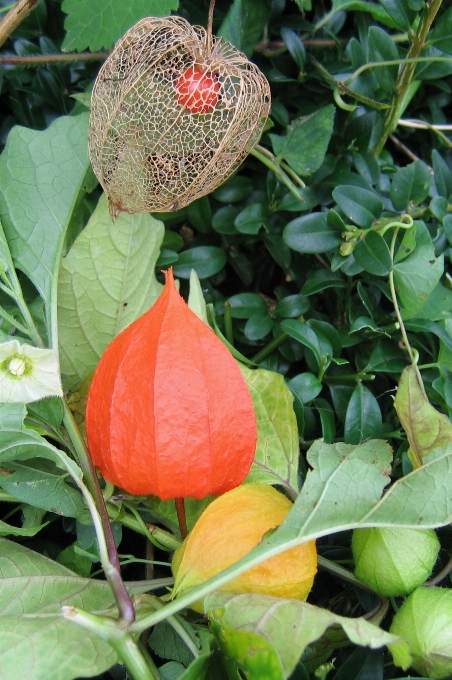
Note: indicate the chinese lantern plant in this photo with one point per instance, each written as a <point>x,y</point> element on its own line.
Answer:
<point>168,411</point>
<point>394,562</point>
<point>227,530</point>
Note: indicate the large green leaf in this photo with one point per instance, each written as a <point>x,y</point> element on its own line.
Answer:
<point>36,642</point>
<point>305,144</point>
<point>276,459</point>
<point>289,626</point>
<point>410,184</point>
<point>244,23</point>
<point>342,491</point>
<point>42,175</point>
<point>106,281</point>
<point>98,25</point>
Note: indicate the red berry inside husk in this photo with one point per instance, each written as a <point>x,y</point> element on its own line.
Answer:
<point>198,91</point>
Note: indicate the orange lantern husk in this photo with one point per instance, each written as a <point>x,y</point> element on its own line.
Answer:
<point>168,411</point>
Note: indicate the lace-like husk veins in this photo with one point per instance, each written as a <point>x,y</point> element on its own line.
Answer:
<point>149,153</point>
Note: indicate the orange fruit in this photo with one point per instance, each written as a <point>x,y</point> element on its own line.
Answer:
<point>228,529</point>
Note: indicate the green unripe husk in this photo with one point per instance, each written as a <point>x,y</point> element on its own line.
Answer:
<point>425,621</point>
<point>394,562</point>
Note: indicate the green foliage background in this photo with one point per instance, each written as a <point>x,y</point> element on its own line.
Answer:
<point>333,237</point>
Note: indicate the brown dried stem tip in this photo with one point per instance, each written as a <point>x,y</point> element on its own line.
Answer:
<point>173,115</point>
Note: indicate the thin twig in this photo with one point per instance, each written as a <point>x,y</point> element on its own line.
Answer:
<point>15,16</point>
<point>40,59</point>
<point>403,148</point>
<point>209,29</point>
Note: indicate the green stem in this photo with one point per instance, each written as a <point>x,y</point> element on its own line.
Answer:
<point>110,560</point>
<point>10,319</point>
<point>16,292</point>
<point>392,62</point>
<point>407,72</point>
<point>228,322</point>
<point>337,379</point>
<point>268,349</point>
<point>139,525</point>
<point>122,641</point>
<point>268,159</point>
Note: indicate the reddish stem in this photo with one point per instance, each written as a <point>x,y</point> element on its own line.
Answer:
<point>180,509</point>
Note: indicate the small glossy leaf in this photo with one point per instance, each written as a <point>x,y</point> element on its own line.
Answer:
<point>292,306</point>
<point>372,254</point>
<point>305,144</point>
<point>258,326</point>
<point>311,234</point>
<point>386,357</point>
<point>410,184</point>
<point>361,206</point>
<point>426,428</point>
<point>200,215</point>
<point>251,219</point>
<point>276,459</point>
<point>305,386</point>
<point>243,305</point>
<point>205,260</point>
<point>326,413</point>
<point>320,279</point>
<point>362,664</point>
<point>442,32</point>
<point>235,189</point>
<point>418,274</point>
<point>442,175</point>
<point>223,220</point>
<point>383,48</point>
<point>295,46</point>
<point>401,12</point>
<point>363,419</point>
<point>305,335</point>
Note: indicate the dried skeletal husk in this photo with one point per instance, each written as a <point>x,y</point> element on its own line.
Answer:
<point>148,151</point>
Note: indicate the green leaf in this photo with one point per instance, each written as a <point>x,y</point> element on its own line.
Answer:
<point>243,305</point>
<point>425,427</point>
<point>97,27</point>
<point>410,184</point>
<point>442,175</point>
<point>244,23</point>
<point>375,10</point>
<point>441,36</point>
<point>320,279</point>
<point>200,215</point>
<point>401,12</point>
<point>9,530</point>
<point>363,418</point>
<point>305,144</point>
<point>36,642</point>
<point>289,626</point>
<point>251,219</point>
<point>42,175</point>
<point>39,483</point>
<point>326,413</point>
<point>106,281</point>
<point>383,48</point>
<point>372,254</point>
<point>361,206</point>
<point>302,332</point>
<point>418,274</point>
<point>311,234</point>
<point>295,46</point>
<point>165,642</point>
<point>205,260</point>
<point>276,459</point>
<point>196,300</point>
<point>246,654</point>
<point>362,664</point>
<point>236,188</point>
<point>223,220</point>
<point>258,326</point>
<point>305,386</point>
<point>292,306</point>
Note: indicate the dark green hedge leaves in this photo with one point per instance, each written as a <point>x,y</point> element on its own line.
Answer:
<point>410,185</point>
<point>372,254</point>
<point>305,144</point>
<point>363,418</point>
<point>205,260</point>
<point>311,234</point>
<point>361,206</point>
<point>251,219</point>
